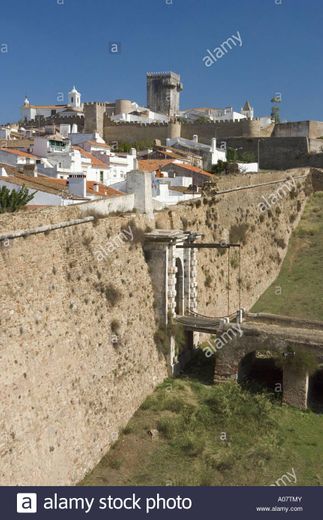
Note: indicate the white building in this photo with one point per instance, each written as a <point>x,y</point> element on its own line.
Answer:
<point>218,114</point>
<point>210,154</point>
<point>111,167</point>
<point>130,111</point>
<point>169,191</point>
<point>57,192</point>
<point>30,112</point>
<point>5,133</point>
<point>16,157</point>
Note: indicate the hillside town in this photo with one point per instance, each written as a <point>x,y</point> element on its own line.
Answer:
<point>88,151</point>
<point>65,154</point>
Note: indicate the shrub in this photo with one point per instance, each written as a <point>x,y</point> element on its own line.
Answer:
<point>234,262</point>
<point>238,233</point>
<point>280,243</point>
<point>184,223</point>
<point>163,334</point>
<point>111,293</point>
<point>115,463</point>
<point>115,326</point>
<point>128,429</point>
<point>87,240</point>
<point>137,232</point>
<point>167,426</point>
<point>12,200</point>
<point>208,280</point>
<point>161,339</point>
<point>191,444</point>
<point>173,404</point>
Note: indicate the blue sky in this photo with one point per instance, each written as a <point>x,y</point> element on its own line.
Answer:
<point>53,44</point>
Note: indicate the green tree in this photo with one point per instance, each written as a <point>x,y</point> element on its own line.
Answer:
<point>12,200</point>
<point>232,154</point>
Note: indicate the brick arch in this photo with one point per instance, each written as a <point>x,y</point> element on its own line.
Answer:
<point>295,387</point>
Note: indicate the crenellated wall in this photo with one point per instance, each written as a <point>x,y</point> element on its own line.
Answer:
<point>77,349</point>
<point>132,132</point>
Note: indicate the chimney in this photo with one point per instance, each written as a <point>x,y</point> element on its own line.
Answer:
<point>77,184</point>
<point>133,152</point>
<point>195,138</point>
<point>213,145</point>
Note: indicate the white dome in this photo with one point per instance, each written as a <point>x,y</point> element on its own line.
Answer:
<point>74,91</point>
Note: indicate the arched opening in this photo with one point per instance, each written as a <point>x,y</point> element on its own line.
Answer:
<point>258,371</point>
<point>315,391</point>
<point>179,288</point>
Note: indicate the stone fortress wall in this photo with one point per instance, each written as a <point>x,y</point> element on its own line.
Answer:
<point>67,386</point>
<point>132,132</point>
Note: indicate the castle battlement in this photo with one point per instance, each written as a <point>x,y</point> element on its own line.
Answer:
<point>137,124</point>
<point>158,74</point>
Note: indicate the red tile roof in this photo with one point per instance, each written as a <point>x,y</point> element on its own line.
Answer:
<point>104,191</point>
<point>59,186</point>
<point>193,169</point>
<point>151,165</point>
<point>97,163</point>
<point>21,153</point>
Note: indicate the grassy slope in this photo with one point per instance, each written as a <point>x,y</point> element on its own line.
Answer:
<point>301,277</point>
<point>213,435</point>
<point>225,435</point>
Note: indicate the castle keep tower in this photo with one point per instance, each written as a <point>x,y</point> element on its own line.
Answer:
<point>163,90</point>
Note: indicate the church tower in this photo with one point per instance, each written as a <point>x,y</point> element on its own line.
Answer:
<point>74,99</point>
<point>247,110</point>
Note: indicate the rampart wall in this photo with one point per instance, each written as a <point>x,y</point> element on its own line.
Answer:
<point>77,346</point>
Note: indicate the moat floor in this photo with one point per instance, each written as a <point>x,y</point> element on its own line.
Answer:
<point>214,435</point>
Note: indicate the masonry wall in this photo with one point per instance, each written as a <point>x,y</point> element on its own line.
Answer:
<point>207,130</point>
<point>236,216</point>
<point>278,153</point>
<point>93,117</point>
<point>132,132</point>
<point>66,387</point>
<point>311,129</point>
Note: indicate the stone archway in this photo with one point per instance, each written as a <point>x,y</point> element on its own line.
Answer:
<point>315,391</point>
<point>179,288</point>
<point>173,271</point>
<point>258,369</point>
<point>295,386</point>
